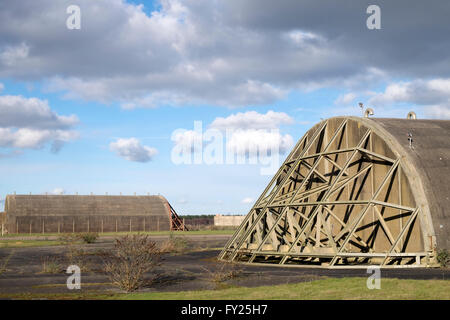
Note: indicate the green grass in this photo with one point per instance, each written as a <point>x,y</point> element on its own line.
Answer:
<point>112,234</point>
<point>330,288</point>
<point>28,243</point>
<point>40,240</point>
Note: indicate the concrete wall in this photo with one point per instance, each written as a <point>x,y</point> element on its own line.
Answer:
<point>225,221</point>
<point>67,213</point>
<point>430,158</point>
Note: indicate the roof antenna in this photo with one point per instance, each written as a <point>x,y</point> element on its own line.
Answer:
<point>362,108</point>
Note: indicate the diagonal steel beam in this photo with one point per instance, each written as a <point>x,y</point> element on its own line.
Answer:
<point>313,214</point>
<point>384,226</point>
<point>357,220</point>
<point>264,193</point>
<point>279,187</point>
<point>406,227</point>
<point>311,171</point>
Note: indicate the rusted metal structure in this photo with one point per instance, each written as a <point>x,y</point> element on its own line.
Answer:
<point>354,192</point>
<point>79,213</point>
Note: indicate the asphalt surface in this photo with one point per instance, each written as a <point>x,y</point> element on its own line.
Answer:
<point>195,269</point>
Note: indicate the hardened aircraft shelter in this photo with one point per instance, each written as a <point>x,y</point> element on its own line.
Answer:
<point>89,213</point>
<point>354,192</point>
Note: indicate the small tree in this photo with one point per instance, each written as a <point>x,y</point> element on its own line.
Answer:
<point>133,256</point>
<point>443,257</point>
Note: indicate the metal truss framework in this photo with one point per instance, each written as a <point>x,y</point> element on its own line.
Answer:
<point>176,224</point>
<point>326,205</point>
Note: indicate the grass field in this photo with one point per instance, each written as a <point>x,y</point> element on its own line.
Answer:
<point>52,239</point>
<point>28,243</point>
<point>330,289</point>
<point>112,234</point>
<point>343,288</point>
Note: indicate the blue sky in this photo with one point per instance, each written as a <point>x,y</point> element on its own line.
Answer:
<point>111,94</point>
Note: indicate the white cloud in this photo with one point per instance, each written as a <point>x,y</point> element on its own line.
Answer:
<point>431,96</point>
<point>424,92</point>
<point>30,123</point>
<point>188,140</point>
<point>252,120</point>
<point>18,111</point>
<point>34,139</point>
<point>250,134</point>
<point>345,99</point>
<point>132,150</point>
<point>259,142</point>
<point>438,112</point>
<point>227,53</point>
<point>2,86</point>
<point>247,200</point>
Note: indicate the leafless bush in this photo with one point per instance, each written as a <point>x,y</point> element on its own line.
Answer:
<point>86,237</point>
<point>69,238</point>
<point>89,237</point>
<point>174,245</point>
<point>133,256</point>
<point>5,261</point>
<point>223,271</point>
<point>76,255</point>
<point>51,265</point>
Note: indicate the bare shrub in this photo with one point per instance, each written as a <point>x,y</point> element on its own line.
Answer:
<point>4,262</point>
<point>223,271</point>
<point>174,245</point>
<point>50,265</point>
<point>89,237</point>
<point>76,255</point>
<point>69,238</point>
<point>86,237</point>
<point>133,256</point>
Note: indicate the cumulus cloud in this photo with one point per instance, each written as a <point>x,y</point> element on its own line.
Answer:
<point>34,139</point>
<point>431,96</point>
<point>345,99</point>
<point>29,123</point>
<point>252,120</point>
<point>259,142</point>
<point>18,111</point>
<point>226,52</point>
<point>132,150</point>
<point>250,134</point>
<point>188,141</point>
